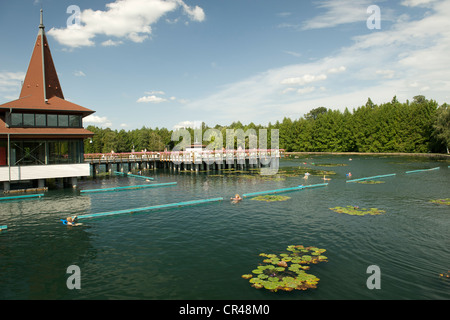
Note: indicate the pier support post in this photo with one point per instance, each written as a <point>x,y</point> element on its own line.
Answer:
<point>41,183</point>
<point>73,182</point>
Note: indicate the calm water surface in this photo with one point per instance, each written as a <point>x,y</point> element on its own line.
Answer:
<point>200,252</point>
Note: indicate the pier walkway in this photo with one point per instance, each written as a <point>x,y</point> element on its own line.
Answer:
<point>201,160</point>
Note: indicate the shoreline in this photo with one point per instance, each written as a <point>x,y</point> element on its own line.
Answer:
<point>429,155</point>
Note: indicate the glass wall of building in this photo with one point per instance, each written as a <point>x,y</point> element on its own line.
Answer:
<point>41,152</point>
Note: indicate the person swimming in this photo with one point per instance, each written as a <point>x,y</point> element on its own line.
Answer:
<point>236,198</point>
<point>72,221</point>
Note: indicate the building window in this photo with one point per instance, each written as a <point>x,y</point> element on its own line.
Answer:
<point>16,119</point>
<point>28,120</point>
<point>52,120</point>
<point>41,120</point>
<point>27,153</point>
<point>63,120</point>
<point>74,121</point>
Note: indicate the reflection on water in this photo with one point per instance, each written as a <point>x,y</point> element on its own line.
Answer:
<point>200,252</point>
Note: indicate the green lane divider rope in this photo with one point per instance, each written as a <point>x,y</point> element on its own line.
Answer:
<point>374,177</point>
<point>161,206</point>
<point>22,197</point>
<point>129,187</point>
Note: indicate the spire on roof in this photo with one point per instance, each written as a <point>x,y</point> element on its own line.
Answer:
<point>41,80</point>
<point>41,25</point>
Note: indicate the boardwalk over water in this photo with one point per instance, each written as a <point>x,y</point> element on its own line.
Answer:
<point>201,160</point>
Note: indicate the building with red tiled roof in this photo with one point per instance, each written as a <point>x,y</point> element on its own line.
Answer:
<point>41,133</point>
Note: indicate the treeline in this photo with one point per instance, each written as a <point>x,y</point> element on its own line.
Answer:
<point>419,126</point>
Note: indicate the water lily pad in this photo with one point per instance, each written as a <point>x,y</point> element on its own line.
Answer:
<point>442,201</point>
<point>370,182</point>
<point>356,211</point>
<point>271,198</point>
<point>291,276</point>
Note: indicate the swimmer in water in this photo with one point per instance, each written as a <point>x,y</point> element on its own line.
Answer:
<point>72,221</point>
<point>236,198</point>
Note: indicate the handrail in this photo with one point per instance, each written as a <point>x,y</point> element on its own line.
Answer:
<point>169,155</point>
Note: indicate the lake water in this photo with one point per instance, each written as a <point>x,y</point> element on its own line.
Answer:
<point>201,252</point>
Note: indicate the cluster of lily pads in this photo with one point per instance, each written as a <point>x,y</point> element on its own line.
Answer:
<point>442,201</point>
<point>370,182</point>
<point>356,211</point>
<point>271,198</point>
<point>286,271</point>
<point>282,174</point>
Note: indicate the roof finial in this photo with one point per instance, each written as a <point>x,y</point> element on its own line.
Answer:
<point>42,19</point>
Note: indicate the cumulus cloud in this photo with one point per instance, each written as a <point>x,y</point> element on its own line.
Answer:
<point>97,121</point>
<point>151,99</point>
<point>339,12</point>
<point>10,84</point>
<point>111,43</point>
<point>415,3</point>
<point>187,124</point>
<point>123,19</point>
<point>307,78</point>
<point>10,80</point>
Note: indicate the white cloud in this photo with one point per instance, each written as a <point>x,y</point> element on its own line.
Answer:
<point>337,70</point>
<point>79,73</point>
<point>415,3</point>
<point>387,74</point>
<point>156,92</point>
<point>97,121</point>
<point>151,99</point>
<point>187,124</point>
<point>339,12</point>
<point>10,82</point>
<point>307,78</point>
<point>293,53</point>
<point>123,19</point>
<point>8,79</point>
<point>111,43</point>
<point>306,90</point>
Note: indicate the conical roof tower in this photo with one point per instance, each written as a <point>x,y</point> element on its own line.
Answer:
<point>41,89</point>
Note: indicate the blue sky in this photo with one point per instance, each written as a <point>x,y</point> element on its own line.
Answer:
<point>169,63</point>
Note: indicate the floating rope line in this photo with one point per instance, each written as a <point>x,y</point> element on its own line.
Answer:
<point>133,175</point>
<point>374,177</point>
<point>161,206</point>
<point>129,187</point>
<point>22,197</point>
<point>422,170</point>
<point>248,195</point>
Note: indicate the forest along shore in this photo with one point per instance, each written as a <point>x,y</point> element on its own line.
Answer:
<point>428,155</point>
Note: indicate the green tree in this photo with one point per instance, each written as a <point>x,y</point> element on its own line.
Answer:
<point>442,126</point>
